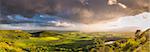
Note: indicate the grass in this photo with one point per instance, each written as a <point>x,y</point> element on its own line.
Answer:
<point>51,41</point>
<point>43,38</point>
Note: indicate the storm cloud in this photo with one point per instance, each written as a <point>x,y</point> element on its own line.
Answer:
<point>75,15</point>
<point>122,24</point>
<point>82,11</point>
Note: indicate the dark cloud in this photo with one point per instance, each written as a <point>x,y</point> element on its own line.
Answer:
<point>84,11</point>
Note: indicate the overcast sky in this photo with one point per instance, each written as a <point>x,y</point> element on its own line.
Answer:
<point>126,23</point>
<point>79,15</point>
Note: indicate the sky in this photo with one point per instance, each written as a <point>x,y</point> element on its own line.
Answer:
<point>126,23</point>
<point>76,15</point>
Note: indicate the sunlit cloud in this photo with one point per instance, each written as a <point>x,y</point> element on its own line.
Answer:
<point>130,23</point>
<point>115,2</point>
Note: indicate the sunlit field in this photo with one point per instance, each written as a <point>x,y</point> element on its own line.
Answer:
<point>53,41</point>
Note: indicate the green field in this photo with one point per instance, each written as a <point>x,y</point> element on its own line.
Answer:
<point>61,41</point>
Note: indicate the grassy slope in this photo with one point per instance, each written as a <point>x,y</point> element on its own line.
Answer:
<point>61,41</point>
